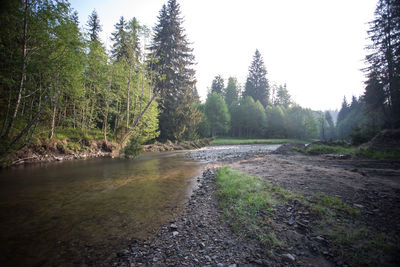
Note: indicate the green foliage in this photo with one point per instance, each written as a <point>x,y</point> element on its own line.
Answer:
<point>257,85</point>
<point>173,61</point>
<point>382,92</point>
<point>218,86</point>
<point>232,91</point>
<point>62,86</point>
<point>276,126</point>
<point>325,149</point>
<point>355,124</point>
<point>283,97</point>
<point>248,118</point>
<point>204,127</point>
<point>217,114</point>
<point>301,123</point>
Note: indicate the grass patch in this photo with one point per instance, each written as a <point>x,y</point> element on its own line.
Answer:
<point>353,151</point>
<point>374,154</point>
<point>324,149</point>
<point>335,204</point>
<point>247,141</point>
<point>250,204</point>
<point>247,202</point>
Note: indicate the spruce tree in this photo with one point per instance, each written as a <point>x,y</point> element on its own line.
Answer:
<point>232,91</point>
<point>94,26</point>
<point>217,85</point>
<point>257,84</point>
<point>119,36</point>
<point>383,83</point>
<point>173,60</point>
<point>344,110</point>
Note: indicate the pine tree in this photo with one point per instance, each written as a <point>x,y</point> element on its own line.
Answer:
<point>257,84</point>
<point>344,110</point>
<point>119,37</point>
<point>173,61</point>
<point>217,85</point>
<point>383,85</point>
<point>232,91</point>
<point>283,97</point>
<point>94,26</point>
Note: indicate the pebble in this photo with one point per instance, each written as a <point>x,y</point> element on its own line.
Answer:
<point>175,233</point>
<point>289,257</point>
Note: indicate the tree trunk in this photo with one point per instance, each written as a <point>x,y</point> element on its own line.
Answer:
<point>127,99</point>
<point>53,120</point>
<point>23,67</point>
<point>105,122</point>
<point>27,127</point>
<point>8,111</point>
<point>129,132</point>
<point>74,120</point>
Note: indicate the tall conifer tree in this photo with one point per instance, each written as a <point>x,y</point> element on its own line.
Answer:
<point>217,85</point>
<point>257,84</point>
<point>94,26</point>
<point>173,60</point>
<point>383,86</point>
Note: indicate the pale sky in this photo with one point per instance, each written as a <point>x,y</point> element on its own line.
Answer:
<point>316,47</point>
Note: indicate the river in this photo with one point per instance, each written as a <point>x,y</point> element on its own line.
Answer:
<point>82,212</point>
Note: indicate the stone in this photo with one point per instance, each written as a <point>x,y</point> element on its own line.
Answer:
<point>358,205</point>
<point>289,257</point>
<point>175,233</point>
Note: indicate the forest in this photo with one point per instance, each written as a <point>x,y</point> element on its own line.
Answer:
<point>59,82</point>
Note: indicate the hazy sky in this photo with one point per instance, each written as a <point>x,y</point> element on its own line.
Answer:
<point>316,47</point>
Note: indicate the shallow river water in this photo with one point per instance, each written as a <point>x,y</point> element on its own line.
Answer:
<point>82,212</point>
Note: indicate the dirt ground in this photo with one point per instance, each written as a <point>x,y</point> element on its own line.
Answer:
<point>200,237</point>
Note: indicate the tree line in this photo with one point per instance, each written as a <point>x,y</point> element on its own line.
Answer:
<point>379,107</point>
<point>267,111</point>
<point>56,78</point>
<point>59,80</point>
<point>260,111</point>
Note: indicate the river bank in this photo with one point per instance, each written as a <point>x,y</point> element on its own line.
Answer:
<point>338,212</point>
<point>62,150</point>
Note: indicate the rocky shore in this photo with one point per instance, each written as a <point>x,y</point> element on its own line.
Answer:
<point>201,236</point>
<point>198,237</point>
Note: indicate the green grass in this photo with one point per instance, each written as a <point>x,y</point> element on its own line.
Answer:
<point>324,149</point>
<point>334,204</point>
<point>247,202</point>
<point>353,151</point>
<point>247,141</point>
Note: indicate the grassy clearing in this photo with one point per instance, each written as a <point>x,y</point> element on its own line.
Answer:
<point>245,141</point>
<point>353,151</point>
<point>250,202</point>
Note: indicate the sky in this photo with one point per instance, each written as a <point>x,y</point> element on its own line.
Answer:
<point>316,47</point>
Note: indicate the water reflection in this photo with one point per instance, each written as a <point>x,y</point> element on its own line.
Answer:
<point>83,211</point>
